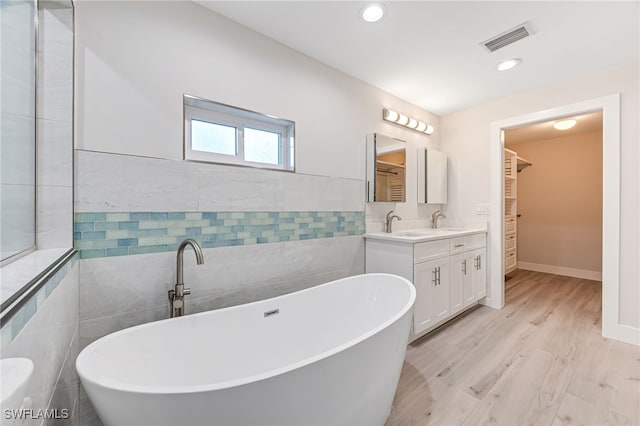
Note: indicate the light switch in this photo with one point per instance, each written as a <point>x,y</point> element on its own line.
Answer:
<point>483,208</point>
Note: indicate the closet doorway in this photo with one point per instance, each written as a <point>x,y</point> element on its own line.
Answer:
<point>610,107</point>
<point>553,197</point>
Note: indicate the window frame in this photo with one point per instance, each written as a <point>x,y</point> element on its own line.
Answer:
<point>207,111</point>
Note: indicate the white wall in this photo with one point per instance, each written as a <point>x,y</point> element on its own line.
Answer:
<point>131,77</point>
<point>467,141</point>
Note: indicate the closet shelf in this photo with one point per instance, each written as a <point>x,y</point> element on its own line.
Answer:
<point>522,163</point>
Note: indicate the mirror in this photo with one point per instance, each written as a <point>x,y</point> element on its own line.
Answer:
<point>432,176</point>
<point>386,161</point>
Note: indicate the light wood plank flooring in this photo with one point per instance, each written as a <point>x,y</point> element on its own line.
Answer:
<point>539,361</point>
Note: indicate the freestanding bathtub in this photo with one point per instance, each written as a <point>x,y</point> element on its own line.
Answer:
<point>328,355</point>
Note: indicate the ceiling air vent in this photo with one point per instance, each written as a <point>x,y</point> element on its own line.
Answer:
<point>507,37</point>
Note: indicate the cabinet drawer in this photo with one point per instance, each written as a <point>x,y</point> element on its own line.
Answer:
<point>509,225</point>
<point>509,242</point>
<point>510,260</point>
<point>430,250</point>
<point>474,241</point>
<point>457,245</point>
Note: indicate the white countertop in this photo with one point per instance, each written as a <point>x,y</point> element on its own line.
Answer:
<point>412,236</point>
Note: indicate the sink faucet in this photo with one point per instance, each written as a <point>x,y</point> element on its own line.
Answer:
<point>176,296</point>
<point>434,218</point>
<point>387,224</point>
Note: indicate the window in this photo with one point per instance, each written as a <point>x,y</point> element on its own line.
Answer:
<point>219,133</point>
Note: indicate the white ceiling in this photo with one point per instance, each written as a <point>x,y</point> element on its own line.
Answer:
<point>585,123</point>
<point>428,52</point>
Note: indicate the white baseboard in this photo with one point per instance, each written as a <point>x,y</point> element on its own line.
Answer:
<point>629,334</point>
<point>560,270</point>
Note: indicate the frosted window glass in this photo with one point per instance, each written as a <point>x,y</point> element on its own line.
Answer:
<point>261,146</point>
<point>211,137</point>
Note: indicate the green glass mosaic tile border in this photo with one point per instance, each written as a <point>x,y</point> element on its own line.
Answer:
<point>11,328</point>
<point>129,233</point>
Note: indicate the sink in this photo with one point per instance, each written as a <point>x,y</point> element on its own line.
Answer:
<point>450,229</point>
<point>413,233</point>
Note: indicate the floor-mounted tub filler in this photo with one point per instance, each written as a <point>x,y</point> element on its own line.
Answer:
<point>328,355</point>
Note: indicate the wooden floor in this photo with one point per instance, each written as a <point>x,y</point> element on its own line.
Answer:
<point>539,361</point>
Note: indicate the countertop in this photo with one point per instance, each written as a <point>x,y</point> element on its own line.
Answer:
<point>412,236</point>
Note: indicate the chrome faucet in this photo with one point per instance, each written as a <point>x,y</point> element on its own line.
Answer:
<point>434,218</point>
<point>387,224</point>
<point>176,296</point>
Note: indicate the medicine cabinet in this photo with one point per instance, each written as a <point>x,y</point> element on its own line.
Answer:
<point>386,169</point>
<point>432,176</point>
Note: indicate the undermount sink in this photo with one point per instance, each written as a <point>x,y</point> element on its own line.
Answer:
<point>450,229</point>
<point>413,233</point>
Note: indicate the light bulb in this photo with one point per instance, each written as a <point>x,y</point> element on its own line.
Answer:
<point>564,124</point>
<point>390,115</point>
<point>508,64</point>
<point>372,12</point>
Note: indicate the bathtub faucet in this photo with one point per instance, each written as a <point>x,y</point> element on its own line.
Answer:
<point>176,296</point>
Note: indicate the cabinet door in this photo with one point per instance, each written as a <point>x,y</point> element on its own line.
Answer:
<point>480,273</point>
<point>440,293</point>
<point>468,290</point>
<point>425,278</point>
<point>432,293</point>
<point>456,281</point>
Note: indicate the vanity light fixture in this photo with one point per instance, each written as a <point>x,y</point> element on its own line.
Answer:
<point>408,122</point>
<point>508,64</point>
<point>564,124</point>
<point>372,12</point>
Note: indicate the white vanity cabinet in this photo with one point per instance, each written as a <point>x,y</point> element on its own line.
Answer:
<point>432,293</point>
<point>448,272</point>
<point>468,273</point>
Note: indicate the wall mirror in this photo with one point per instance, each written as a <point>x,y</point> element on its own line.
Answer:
<point>386,167</point>
<point>432,176</point>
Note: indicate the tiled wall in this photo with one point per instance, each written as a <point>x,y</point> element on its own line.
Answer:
<point>264,233</point>
<point>55,125</point>
<point>121,234</point>
<point>45,330</point>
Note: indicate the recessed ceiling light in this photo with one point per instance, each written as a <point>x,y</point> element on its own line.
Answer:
<point>372,12</point>
<point>564,124</point>
<point>508,64</point>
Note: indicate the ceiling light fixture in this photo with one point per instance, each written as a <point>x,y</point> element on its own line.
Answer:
<point>372,12</point>
<point>508,64</point>
<point>564,124</point>
<point>405,121</point>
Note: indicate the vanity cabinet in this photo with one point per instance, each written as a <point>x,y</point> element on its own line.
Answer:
<point>432,294</point>
<point>448,272</point>
<point>468,279</point>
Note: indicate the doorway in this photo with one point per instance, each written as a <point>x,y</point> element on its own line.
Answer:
<point>610,107</point>
<point>553,197</point>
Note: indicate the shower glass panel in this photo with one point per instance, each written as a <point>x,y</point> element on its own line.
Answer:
<point>18,127</point>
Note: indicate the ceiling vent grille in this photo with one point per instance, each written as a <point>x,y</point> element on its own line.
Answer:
<point>508,37</point>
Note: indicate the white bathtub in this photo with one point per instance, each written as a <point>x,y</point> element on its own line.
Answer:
<point>331,356</point>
